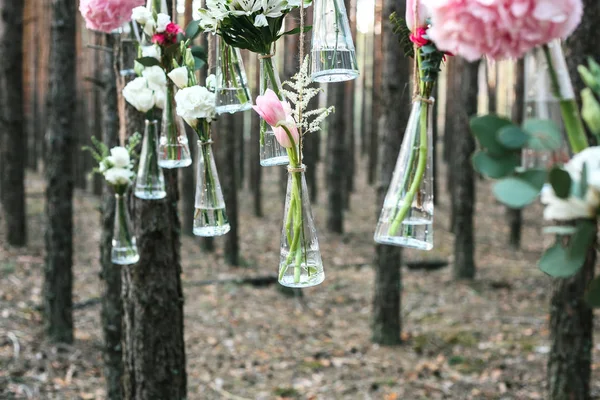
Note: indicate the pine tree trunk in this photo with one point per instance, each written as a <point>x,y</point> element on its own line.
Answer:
<point>228,173</point>
<point>112,306</point>
<point>464,178</point>
<point>12,124</point>
<point>336,150</point>
<point>153,346</point>
<point>255,168</point>
<point>515,216</point>
<point>387,322</point>
<point>349,113</point>
<point>376,90</point>
<point>60,135</point>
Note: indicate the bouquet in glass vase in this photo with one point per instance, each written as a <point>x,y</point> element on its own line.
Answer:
<point>255,25</point>
<point>300,258</point>
<point>407,215</point>
<point>116,165</point>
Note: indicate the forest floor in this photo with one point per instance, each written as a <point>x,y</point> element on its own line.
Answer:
<point>486,339</point>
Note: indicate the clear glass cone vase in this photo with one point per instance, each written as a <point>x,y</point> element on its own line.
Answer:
<point>271,152</point>
<point>174,150</point>
<point>333,57</point>
<point>150,182</point>
<point>124,250</point>
<point>541,103</point>
<point>300,263</point>
<point>210,218</point>
<point>407,215</point>
<point>232,91</point>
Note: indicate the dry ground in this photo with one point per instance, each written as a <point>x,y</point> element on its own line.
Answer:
<point>486,339</point>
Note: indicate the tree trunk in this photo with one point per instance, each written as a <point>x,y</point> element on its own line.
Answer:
<point>58,283</point>
<point>112,306</point>
<point>349,89</point>
<point>376,90</point>
<point>464,178</point>
<point>453,108</point>
<point>387,322</point>
<point>515,216</point>
<point>12,125</point>
<point>336,150</point>
<point>153,345</point>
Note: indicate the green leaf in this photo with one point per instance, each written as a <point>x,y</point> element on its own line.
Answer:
<point>485,128</point>
<point>198,63</point>
<point>535,177</point>
<point>296,31</point>
<point>493,167</point>
<point>561,230</point>
<point>582,239</point>
<point>557,264</point>
<point>561,182</point>
<point>515,192</point>
<point>592,296</point>
<point>192,30</point>
<point>199,52</point>
<point>543,134</point>
<point>148,61</point>
<point>512,137</point>
<point>579,189</point>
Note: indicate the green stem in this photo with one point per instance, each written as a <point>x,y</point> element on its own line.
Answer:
<point>568,107</point>
<point>124,234</point>
<point>169,124</point>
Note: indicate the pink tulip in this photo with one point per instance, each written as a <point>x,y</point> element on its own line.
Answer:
<point>270,108</point>
<point>282,136</point>
<point>422,11</point>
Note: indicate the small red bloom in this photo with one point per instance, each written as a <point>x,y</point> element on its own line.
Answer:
<point>173,29</point>
<point>417,37</point>
<point>159,38</point>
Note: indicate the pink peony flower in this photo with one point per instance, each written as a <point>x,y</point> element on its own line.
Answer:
<point>422,14</point>
<point>500,29</point>
<point>107,15</point>
<point>271,109</point>
<point>417,37</point>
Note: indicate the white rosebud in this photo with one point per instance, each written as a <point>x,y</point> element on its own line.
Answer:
<point>179,76</point>
<point>118,176</point>
<point>139,95</point>
<point>120,157</point>
<point>149,27</point>
<point>162,20</point>
<point>195,102</point>
<point>151,51</point>
<point>141,15</point>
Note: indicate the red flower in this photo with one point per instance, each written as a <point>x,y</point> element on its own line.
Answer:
<point>417,37</point>
<point>173,29</point>
<point>159,38</point>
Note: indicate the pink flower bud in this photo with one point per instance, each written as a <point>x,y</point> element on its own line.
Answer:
<point>422,11</point>
<point>282,136</point>
<point>417,37</point>
<point>270,108</point>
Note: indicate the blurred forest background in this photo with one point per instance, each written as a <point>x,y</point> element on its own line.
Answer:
<point>468,320</point>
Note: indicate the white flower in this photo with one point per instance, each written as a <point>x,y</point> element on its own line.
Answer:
<point>155,76</point>
<point>120,157</point>
<point>141,15</point>
<point>570,208</point>
<point>160,97</point>
<point>195,102</point>
<point>261,20</point>
<point>211,82</point>
<point>118,176</point>
<point>179,76</point>
<point>246,7</point>
<point>162,20</point>
<point>151,51</point>
<point>273,8</point>
<point>149,27</point>
<point>591,158</point>
<point>139,95</point>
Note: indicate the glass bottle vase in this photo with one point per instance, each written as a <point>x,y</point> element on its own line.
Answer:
<point>124,250</point>
<point>407,215</point>
<point>174,150</point>
<point>271,152</point>
<point>150,182</point>
<point>210,218</point>
<point>300,263</point>
<point>231,89</point>
<point>541,102</point>
<point>333,56</point>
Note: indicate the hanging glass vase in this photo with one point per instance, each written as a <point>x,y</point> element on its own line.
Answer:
<point>210,218</point>
<point>333,57</point>
<point>407,215</point>
<point>300,263</point>
<point>271,152</point>
<point>124,250</point>
<point>231,89</point>
<point>174,151</point>
<point>150,182</point>
<point>541,102</point>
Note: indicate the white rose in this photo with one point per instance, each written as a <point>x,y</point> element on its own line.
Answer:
<point>139,95</point>
<point>195,102</point>
<point>591,158</point>
<point>211,82</point>
<point>141,15</point>
<point>118,176</point>
<point>120,157</point>
<point>155,76</point>
<point>151,51</point>
<point>179,76</point>
<point>149,27</point>
<point>162,20</point>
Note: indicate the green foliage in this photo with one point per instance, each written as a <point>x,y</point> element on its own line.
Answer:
<point>148,61</point>
<point>561,182</point>
<point>593,293</point>
<point>401,30</point>
<point>485,129</point>
<point>493,167</point>
<point>543,134</point>
<point>521,189</point>
<point>431,60</point>
<point>512,137</point>
<point>590,111</point>
<point>591,75</point>
<point>561,261</point>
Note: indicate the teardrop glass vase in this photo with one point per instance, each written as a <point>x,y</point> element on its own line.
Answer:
<point>210,218</point>
<point>150,182</point>
<point>300,263</point>
<point>231,89</point>
<point>333,56</point>
<point>271,152</point>
<point>407,215</point>
<point>174,150</point>
<point>124,250</point>
<point>541,103</point>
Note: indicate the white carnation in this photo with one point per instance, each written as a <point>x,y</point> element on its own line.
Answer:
<point>179,76</point>
<point>120,157</point>
<point>195,102</point>
<point>151,51</point>
<point>141,15</point>
<point>118,176</point>
<point>162,20</point>
<point>139,95</point>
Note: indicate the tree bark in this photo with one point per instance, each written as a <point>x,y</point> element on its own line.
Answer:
<point>112,306</point>
<point>515,216</point>
<point>464,179</point>
<point>153,346</point>
<point>254,159</point>
<point>58,282</point>
<point>12,125</point>
<point>387,322</point>
<point>336,150</point>
<point>376,90</point>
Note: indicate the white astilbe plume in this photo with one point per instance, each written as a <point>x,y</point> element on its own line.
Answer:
<point>299,93</point>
